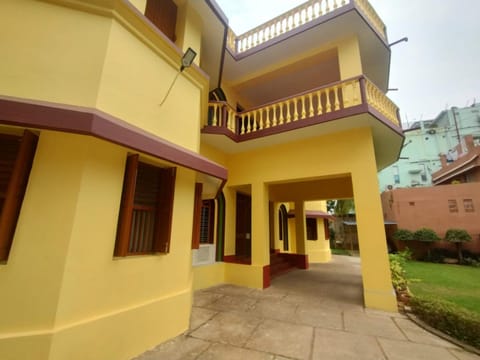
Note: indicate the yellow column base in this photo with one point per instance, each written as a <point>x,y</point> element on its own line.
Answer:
<point>319,256</point>
<point>380,300</point>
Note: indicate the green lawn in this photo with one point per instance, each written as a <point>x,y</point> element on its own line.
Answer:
<point>341,252</point>
<point>454,283</point>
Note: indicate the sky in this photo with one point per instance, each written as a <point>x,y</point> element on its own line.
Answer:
<point>439,66</point>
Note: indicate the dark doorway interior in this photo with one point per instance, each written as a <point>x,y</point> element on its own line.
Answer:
<point>243,226</point>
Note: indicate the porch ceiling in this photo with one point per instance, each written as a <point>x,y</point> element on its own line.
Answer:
<point>332,187</point>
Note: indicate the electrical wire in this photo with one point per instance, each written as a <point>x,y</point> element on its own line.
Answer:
<point>169,89</point>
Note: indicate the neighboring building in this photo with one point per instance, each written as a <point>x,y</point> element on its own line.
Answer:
<point>454,204</point>
<point>466,167</point>
<point>115,164</point>
<point>425,141</point>
<point>436,207</point>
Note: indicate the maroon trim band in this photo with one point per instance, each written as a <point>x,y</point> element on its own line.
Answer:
<point>88,121</point>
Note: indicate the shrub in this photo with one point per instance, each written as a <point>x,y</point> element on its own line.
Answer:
<point>447,317</point>
<point>458,236</point>
<point>397,270</point>
<point>428,236</point>
<point>470,262</point>
<point>403,235</point>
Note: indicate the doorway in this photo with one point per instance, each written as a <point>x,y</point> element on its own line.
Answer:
<point>243,226</point>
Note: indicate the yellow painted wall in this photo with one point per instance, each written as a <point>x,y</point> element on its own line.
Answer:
<point>318,251</point>
<point>50,56</point>
<point>349,58</point>
<point>244,275</point>
<point>140,5</point>
<point>62,257</point>
<point>189,30</point>
<point>205,276</point>
<point>134,83</point>
<point>119,69</point>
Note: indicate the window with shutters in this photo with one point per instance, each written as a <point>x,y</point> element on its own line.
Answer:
<point>312,233</point>
<point>16,158</point>
<point>146,209</point>
<point>163,14</point>
<point>206,222</point>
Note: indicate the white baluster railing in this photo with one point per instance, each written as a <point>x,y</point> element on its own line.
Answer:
<point>314,103</point>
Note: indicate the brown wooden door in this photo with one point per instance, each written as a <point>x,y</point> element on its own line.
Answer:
<point>243,228</point>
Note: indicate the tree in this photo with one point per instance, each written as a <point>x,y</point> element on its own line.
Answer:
<point>428,236</point>
<point>458,237</point>
<point>341,209</point>
<point>403,235</point>
<point>344,207</point>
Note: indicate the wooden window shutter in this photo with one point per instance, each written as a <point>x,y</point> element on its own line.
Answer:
<point>197,213</point>
<point>163,226</point>
<point>163,14</point>
<point>126,206</point>
<point>15,192</point>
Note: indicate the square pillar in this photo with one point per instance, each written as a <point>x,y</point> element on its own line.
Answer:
<point>300,228</point>
<point>377,284</point>
<point>260,225</point>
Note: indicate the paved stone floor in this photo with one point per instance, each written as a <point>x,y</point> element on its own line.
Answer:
<point>313,314</point>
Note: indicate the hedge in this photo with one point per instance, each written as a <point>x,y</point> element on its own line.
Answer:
<point>448,318</point>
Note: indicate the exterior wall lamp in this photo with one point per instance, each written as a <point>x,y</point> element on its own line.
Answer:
<point>187,60</point>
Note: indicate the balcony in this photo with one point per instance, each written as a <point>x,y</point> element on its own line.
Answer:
<point>301,16</point>
<point>343,105</point>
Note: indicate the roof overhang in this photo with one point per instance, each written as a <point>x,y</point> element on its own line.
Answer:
<point>92,122</point>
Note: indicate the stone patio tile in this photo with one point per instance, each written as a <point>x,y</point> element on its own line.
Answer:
<point>180,348</point>
<point>232,303</point>
<point>341,345</point>
<point>233,290</point>
<point>362,323</point>
<point>464,355</point>
<point>222,352</point>
<point>416,334</point>
<point>200,316</point>
<point>318,316</point>
<point>283,339</point>
<point>271,309</point>
<point>227,328</point>
<point>270,293</point>
<point>406,350</point>
<point>204,298</point>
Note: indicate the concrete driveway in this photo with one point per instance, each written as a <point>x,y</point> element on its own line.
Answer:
<point>312,314</point>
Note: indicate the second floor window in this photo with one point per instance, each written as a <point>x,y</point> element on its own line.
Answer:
<point>163,14</point>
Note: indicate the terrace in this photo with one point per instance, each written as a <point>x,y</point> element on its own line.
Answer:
<point>300,16</point>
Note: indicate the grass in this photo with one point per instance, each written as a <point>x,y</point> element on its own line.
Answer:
<point>341,252</point>
<point>455,283</point>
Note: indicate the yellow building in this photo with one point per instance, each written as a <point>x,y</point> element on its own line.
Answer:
<point>118,157</point>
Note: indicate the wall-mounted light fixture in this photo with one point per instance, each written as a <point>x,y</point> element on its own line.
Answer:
<point>187,60</point>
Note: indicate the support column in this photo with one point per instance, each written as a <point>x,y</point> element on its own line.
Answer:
<point>300,227</point>
<point>377,285</point>
<point>301,235</point>
<point>260,230</point>
<point>278,245</point>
